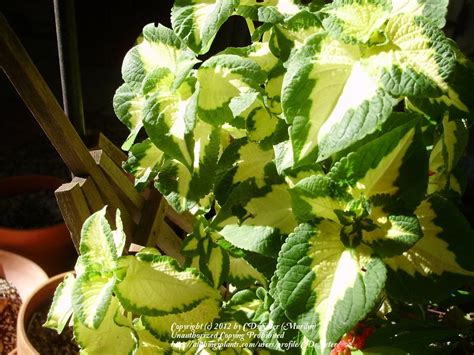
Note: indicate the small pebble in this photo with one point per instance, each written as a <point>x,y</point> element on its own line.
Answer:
<point>10,302</point>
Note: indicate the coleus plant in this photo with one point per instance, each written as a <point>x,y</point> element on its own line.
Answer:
<point>320,162</point>
<point>133,304</point>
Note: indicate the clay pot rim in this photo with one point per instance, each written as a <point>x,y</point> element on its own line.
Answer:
<point>31,230</point>
<point>22,322</point>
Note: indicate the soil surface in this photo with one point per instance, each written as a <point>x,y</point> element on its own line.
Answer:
<point>30,210</point>
<point>48,341</point>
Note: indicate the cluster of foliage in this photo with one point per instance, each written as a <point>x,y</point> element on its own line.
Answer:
<point>321,164</point>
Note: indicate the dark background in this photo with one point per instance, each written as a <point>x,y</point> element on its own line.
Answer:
<point>106,30</point>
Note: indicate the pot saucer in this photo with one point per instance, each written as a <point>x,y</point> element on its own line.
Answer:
<point>23,273</point>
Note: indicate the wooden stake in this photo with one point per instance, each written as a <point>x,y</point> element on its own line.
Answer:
<point>36,94</point>
<point>74,209</point>
<point>114,153</point>
<point>124,187</point>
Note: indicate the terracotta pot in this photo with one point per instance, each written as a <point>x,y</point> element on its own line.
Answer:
<point>23,273</point>
<point>41,296</point>
<point>50,247</point>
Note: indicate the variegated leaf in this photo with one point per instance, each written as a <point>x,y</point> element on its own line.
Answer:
<point>272,209</point>
<point>128,106</point>
<point>245,303</point>
<point>203,252</point>
<point>261,124</point>
<point>392,235</point>
<point>165,327</point>
<point>325,286</point>
<point>435,10</point>
<point>258,52</point>
<point>440,261</point>
<point>456,102</point>
<point>243,274</point>
<point>331,99</point>
<point>419,59</point>
<point>214,262</point>
<point>207,149</point>
<point>394,164</point>
<point>91,298</point>
<point>273,89</point>
<point>243,161</point>
<point>318,196</point>
<point>61,307</point>
<point>169,288</point>
<point>144,161</point>
<point>357,21</point>
<point>97,246</point>
<point>166,122</point>
<point>160,48</point>
<point>255,221</point>
<point>109,337</point>
<point>446,154</point>
<point>189,188</point>
<point>118,234</point>
<point>225,79</point>
<point>148,344</point>
<point>174,182</point>
<point>294,32</point>
<point>196,22</point>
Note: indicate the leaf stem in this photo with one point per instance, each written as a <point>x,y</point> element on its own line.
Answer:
<point>251,26</point>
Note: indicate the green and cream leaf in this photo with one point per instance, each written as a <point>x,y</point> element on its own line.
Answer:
<point>144,161</point>
<point>169,288</point>
<point>128,106</point>
<point>91,297</point>
<point>243,274</point>
<point>435,10</point>
<point>356,21</point>
<point>147,343</point>
<point>324,286</point>
<point>446,153</point>
<point>109,337</point>
<point>61,307</point>
<point>166,327</point>
<point>440,260</point>
<point>160,48</point>
<point>393,235</point>
<point>196,22</point>
<point>318,196</point>
<point>225,78</point>
<point>203,252</point>
<point>165,122</point>
<point>294,32</point>
<point>97,246</point>
<point>391,165</point>
<point>331,99</point>
<point>419,59</point>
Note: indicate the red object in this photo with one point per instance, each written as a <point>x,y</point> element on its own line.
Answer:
<point>342,348</point>
<point>355,339</point>
<point>50,247</point>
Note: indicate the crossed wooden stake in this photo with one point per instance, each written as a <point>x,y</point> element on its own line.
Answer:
<point>98,177</point>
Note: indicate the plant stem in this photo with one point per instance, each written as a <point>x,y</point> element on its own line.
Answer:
<point>251,26</point>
